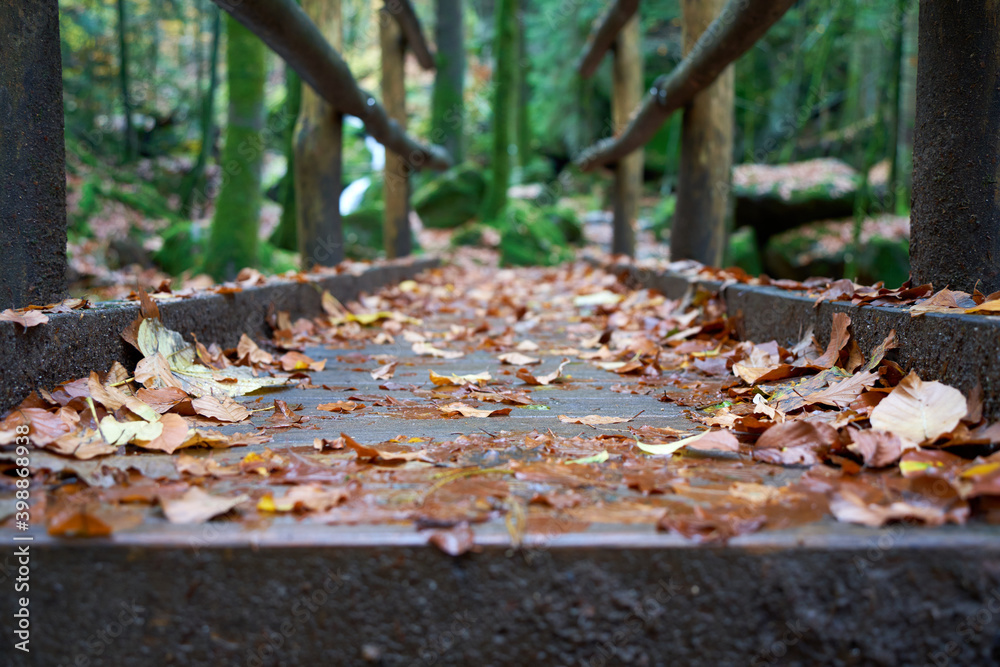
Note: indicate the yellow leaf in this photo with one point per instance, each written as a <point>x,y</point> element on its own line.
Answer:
<point>459,380</point>
<point>596,458</point>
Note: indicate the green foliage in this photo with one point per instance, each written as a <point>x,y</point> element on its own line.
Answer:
<point>451,199</point>
<point>743,251</point>
<point>662,217</point>
<point>232,242</point>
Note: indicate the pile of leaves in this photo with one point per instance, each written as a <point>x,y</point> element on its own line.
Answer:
<point>775,436</point>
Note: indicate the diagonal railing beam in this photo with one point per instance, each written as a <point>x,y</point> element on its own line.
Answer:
<point>413,34</point>
<point>738,27</point>
<point>603,36</point>
<point>287,30</point>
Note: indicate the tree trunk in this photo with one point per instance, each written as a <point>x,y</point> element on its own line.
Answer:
<point>193,181</point>
<point>396,223</point>
<point>894,102</point>
<point>523,133</point>
<point>129,142</point>
<point>447,108</point>
<point>699,230</point>
<point>318,160</point>
<point>232,242</point>
<point>955,228</point>
<point>32,156</point>
<point>504,97</point>
<point>628,90</point>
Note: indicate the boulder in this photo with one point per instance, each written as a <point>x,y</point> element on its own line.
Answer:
<point>451,199</point>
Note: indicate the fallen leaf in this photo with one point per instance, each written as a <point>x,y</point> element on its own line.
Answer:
<point>525,375</point>
<point>454,541</point>
<point>224,409</point>
<point>27,319</point>
<point>839,337</point>
<point>249,350</point>
<point>920,411</point>
<point>385,372</point>
<point>518,359</point>
<point>426,349</point>
<point>366,453</point>
<point>197,506</point>
<point>304,498</point>
<point>596,458</point>
<point>878,448</point>
<point>459,380</point>
<point>341,406</point>
<point>706,440</point>
<point>174,435</point>
<point>594,420</point>
<point>296,361</point>
<point>469,411</point>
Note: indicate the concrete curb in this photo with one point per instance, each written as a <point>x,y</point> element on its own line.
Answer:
<point>70,345</point>
<point>959,350</point>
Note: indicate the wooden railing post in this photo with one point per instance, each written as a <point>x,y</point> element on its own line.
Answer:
<point>396,224</point>
<point>699,229</point>
<point>32,155</point>
<point>627,94</point>
<point>318,158</point>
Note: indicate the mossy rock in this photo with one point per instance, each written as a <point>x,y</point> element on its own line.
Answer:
<point>469,234</point>
<point>362,229</point>
<point>181,249</point>
<point>530,237</point>
<point>567,221</point>
<point>451,199</point>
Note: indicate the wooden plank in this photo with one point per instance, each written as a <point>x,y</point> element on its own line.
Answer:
<point>318,158</point>
<point>284,27</point>
<point>740,25</point>
<point>396,224</point>
<point>699,229</point>
<point>604,35</point>
<point>627,93</point>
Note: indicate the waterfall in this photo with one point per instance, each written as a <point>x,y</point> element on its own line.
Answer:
<point>351,196</point>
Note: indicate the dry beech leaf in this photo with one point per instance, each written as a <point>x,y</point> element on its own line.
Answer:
<point>454,541</point>
<point>705,441</point>
<point>385,372</point>
<point>920,411</point>
<point>527,376</point>
<point>296,361</point>
<point>27,319</point>
<point>459,380</point>
<point>304,498</point>
<point>838,340</point>
<point>878,448</point>
<point>341,406</point>
<point>594,420</point>
<point>518,359</point>
<point>224,409</point>
<point>366,453</point>
<point>469,411</point>
<point>426,349</point>
<point>162,400</point>
<point>197,506</point>
<point>174,435</point>
<point>248,349</point>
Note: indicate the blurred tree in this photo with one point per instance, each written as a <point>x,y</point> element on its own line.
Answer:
<point>193,180</point>
<point>447,107</point>
<point>232,242</point>
<point>504,99</point>
<point>129,147</point>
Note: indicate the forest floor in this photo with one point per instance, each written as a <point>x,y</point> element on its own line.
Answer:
<point>543,400</point>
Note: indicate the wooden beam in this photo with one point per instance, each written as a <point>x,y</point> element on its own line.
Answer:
<point>627,81</point>
<point>402,11</point>
<point>955,226</point>
<point>701,215</point>
<point>32,156</point>
<point>318,158</point>
<point>737,28</point>
<point>287,30</point>
<point>603,36</point>
<point>396,224</point>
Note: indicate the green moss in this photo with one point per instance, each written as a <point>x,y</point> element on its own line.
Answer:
<point>451,199</point>
<point>663,217</point>
<point>531,237</point>
<point>232,242</point>
<point>743,251</point>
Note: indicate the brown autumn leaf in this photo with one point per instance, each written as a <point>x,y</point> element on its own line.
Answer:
<point>197,506</point>
<point>795,442</point>
<point>304,498</point>
<point>424,348</point>
<point>528,377</point>
<point>385,372</point>
<point>943,301</point>
<point>201,466</point>
<point>373,455</point>
<point>986,308</point>
<point>842,394</point>
<point>341,406</point>
<point>518,359</point>
<point>839,338</point>
<point>454,541</point>
<point>47,426</point>
<point>154,372</point>
<point>849,507</point>
<point>283,416</point>
<point>162,400</point>
<point>27,319</point>
<point>594,420</point>
<point>249,350</point>
<point>878,448</point>
<point>296,361</point>
<point>224,409</point>
<point>460,380</point>
<point>175,434</point>
<point>469,411</point>
<point>920,411</point>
